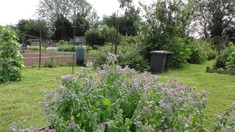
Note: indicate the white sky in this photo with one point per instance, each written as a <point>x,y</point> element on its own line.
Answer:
<point>11,11</point>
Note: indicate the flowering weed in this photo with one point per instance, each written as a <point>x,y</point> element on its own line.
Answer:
<point>120,99</point>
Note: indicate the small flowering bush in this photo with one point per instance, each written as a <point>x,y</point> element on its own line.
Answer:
<point>226,122</point>
<point>20,127</point>
<point>119,99</point>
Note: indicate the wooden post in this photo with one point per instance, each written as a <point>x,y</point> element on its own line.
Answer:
<point>40,49</point>
<point>74,33</point>
<point>117,29</point>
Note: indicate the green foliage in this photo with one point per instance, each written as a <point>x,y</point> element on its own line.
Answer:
<point>65,46</point>
<point>118,99</point>
<point>82,25</point>
<point>50,9</point>
<point>32,27</point>
<point>226,58</point>
<point>226,122</point>
<point>128,53</point>
<point>34,48</point>
<point>68,47</point>
<point>230,63</point>
<point>63,28</point>
<point>201,51</point>
<point>51,63</point>
<point>99,36</point>
<point>217,85</point>
<point>127,22</point>
<point>181,51</point>
<point>219,26</point>
<point>11,60</point>
<point>166,29</point>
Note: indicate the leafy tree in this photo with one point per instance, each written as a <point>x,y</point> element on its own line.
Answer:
<point>216,18</point>
<point>32,27</point>
<point>82,25</point>
<point>63,28</point>
<point>49,10</point>
<point>127,22</point>
<point>166,28</point>
<point>100,35</point>
<point>125,3</point>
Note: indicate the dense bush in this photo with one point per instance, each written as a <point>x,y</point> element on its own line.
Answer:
<point>119,99</point>
<point>230,63</point>
<point>180,49</point>
<point>11,60</point>
<point>37,48</point>
<point>99,36</point>
<point>65,46</point>
<point>201,51</point>
<point>68,47</point>
<point>225,57</point>
<point>128,54</point>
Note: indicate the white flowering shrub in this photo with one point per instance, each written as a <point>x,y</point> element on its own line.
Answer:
<point>51,50</point>
<point>119,99</point>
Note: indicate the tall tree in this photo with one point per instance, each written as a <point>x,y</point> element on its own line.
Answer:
<point>127,22</point>
<point>216,18</point>
<point>49,10</point>
<point>166,28</point>
<point>81,25</point>
<point>166,19</point>
<point>63,28</point>
<point>32,27</point>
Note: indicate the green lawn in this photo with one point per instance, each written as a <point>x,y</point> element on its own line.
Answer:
<point>20,100</point>
<point>220,88</point>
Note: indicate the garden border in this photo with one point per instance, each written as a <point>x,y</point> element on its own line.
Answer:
<point>209,70</point>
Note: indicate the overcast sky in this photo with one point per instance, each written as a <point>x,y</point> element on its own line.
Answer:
<point>11,11</point>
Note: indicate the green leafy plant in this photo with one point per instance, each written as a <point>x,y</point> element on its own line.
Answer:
<point>180,49</point>
<point>34,48</point>
<point>129,53</point>
<point>226,58</point>
<point>11,60</point>
<point>230,64</point>
<point>201,51</point>
<point>65,46</point>
<point>99,36</point>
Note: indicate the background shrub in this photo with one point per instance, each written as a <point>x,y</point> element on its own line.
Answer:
<point>230,63</point>
<point>201,51</point>
<point>68,47</point>
<point>65,46</point>
<point>128,53</point>
<point>36,48</point>
<point>224,58</point>
<point>11,60</point>
<point>180,49</point>
<point>100,36</point>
